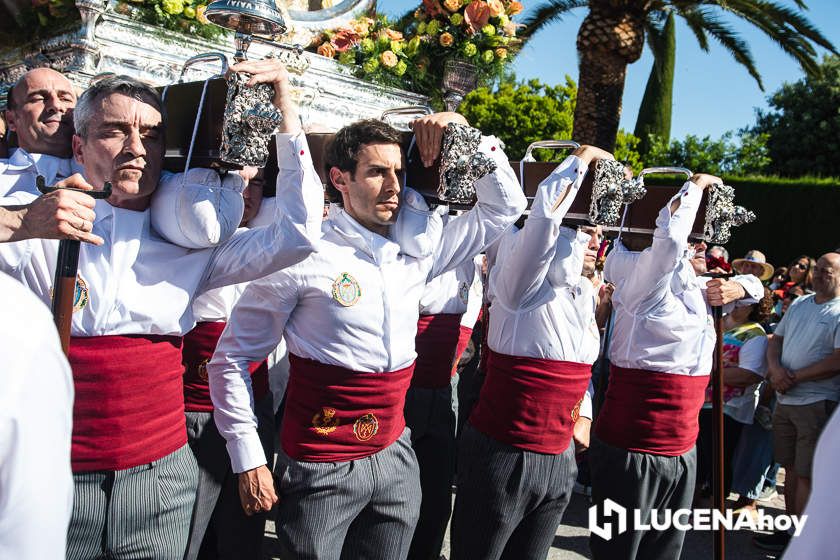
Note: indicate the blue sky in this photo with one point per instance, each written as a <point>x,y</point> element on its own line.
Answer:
<point>712,93</point>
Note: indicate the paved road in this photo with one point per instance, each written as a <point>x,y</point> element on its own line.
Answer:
<point>572,540</point>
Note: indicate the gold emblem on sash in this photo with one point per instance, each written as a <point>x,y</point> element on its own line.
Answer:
<point>346,290</point>
<point>80,294</point>
<point>201,369</point>
<point>365,427</point>
<point>325,421</point>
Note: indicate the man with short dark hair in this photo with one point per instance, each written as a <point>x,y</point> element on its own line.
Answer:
<point>803,358</point>
<point>133,472</point>
<point>39,111</point>
<point>348,478</point>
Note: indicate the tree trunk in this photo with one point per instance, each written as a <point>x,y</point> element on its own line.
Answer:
<point>609,39</point>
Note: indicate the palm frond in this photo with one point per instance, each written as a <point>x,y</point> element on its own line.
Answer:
<point>546,14</point>
<point>703,19</point>
<point>695,22</point>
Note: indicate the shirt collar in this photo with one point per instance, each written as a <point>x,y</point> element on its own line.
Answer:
<point>380,248</point>
<point>48,166</point>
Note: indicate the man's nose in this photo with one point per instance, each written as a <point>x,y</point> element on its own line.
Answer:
<point>134,144</point>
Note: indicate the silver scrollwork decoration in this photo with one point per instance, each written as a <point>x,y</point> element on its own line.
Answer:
<point>611,189</point>
<point>462,164</point>
<point>722,214</point>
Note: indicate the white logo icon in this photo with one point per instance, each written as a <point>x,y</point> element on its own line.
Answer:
<point>611,509</point>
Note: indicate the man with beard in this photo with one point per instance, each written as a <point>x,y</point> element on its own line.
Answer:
<point>348,477</point>
<point>642,454</point>
<point>516,462</point>
<point>134,476</point>
<point>39,110</point>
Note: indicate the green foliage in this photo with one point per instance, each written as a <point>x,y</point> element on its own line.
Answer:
<point>655,111</point>
<point>803,126</point>
<point>627,150</point>
<point>747,155</point>
<point>523,113</point>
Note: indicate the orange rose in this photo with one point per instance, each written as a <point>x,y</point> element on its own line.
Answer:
<point>360,26</point>
<point>393,34</point>
<point>496,7</point>
<point>501,53</point>
<point>446,39</point>
<point>514,8</point>
<point>326,49</point>
<point>388,59</point>
<point>452,5</point>
<point>477,14</point>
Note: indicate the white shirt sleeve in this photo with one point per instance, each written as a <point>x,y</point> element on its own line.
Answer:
<point>526,256</point>
<point>253,331</point>
<point>253,253</point>
<point>753,355</point>
<point>500,203</point>
<point>36,413</point>
<point>655,265</point>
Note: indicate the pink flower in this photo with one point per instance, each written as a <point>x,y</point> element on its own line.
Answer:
<point>477,14</point>
<point>345,39</point>
<point>433,7</point>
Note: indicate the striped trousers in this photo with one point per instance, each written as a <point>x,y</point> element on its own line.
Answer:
<point>219,527</point>
<point>509,501</point>
<point>432,416</point>
<point>139,513</point>
<point>355,510</point>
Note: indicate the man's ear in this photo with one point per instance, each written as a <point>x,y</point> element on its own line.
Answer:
<point>339,179</point>
<point>10,120</point>
<point>77,149</point>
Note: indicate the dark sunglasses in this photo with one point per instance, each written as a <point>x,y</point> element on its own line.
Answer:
<point>801,266</point>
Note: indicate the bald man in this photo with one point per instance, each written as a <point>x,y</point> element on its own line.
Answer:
<point>39,110</point>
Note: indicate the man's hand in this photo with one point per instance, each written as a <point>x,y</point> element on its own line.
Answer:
<point>704,180</point>
<point>720,291</point>
<point>256,490</point>
<point>782,379</point>
<point>581,434</point>
<point>62,214</point>
<point>428,132</point>
<point>271,71</point>
<point>591,154</point>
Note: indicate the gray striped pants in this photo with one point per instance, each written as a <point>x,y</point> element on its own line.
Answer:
<point>509,501</point>
<point>138,513</point>
<point>354,510</point>
<point>219,525</point>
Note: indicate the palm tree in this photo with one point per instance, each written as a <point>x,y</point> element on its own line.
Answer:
<point>613,35</point>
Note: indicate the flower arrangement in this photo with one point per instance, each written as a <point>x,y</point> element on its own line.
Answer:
<point>480,32</point>
<point>378,52</point>
<point>185,16</point>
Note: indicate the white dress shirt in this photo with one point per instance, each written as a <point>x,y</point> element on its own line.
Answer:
<point>20,170</point>
<point>662,322</point>
<point>137,282</point>
<point>36,415</point>
<point>476,296</point>
<point>376,332</point>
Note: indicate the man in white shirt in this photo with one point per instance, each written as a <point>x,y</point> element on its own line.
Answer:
<point>516,462</point>
<point>36,405</point>
<point>803,358</point>
<point>348,478</point>
<point>642,454</point>
<point>39,110</point>
<point>134,474</point>
<point>431,404</point>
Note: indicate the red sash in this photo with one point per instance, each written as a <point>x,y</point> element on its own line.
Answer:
<point>199,345</point>
<point>651,412</point>
<point>464,336</point>
<point>436,343</point>
<point>334,414</point>
<point>531,403</point>
<point>129,406</point>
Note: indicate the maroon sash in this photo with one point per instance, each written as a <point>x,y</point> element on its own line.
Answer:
<point>129,406</point>
<point>531,403</point>
<point>650,411</point>
<point>436,344</point>
<point>199,345</point>
<point>335,414</point>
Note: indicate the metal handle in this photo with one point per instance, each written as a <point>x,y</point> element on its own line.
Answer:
<point>550,144</point>
<point>205,57</point>
<point>41,184</point>
<point>666,170</point>
<point>409,111</point>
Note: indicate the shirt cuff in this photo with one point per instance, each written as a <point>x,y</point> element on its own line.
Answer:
<point>292,151</point>
<point>246,453</point>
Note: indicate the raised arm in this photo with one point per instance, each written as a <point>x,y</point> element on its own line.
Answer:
<point>526,256</point>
